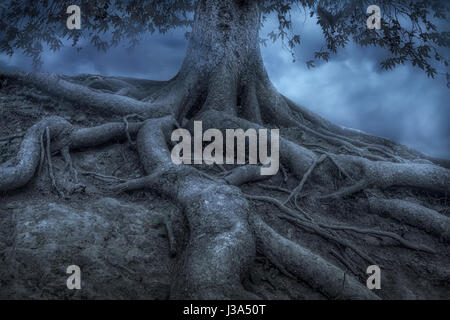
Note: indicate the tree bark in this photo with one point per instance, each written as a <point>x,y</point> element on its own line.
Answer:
<point>224,54</point>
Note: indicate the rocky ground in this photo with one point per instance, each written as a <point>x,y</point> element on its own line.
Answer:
<point>120,242</point>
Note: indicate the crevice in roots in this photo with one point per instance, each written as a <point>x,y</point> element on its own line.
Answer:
<point>48,157</point>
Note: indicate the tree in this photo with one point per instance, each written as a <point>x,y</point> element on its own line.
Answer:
<point>223,82</point>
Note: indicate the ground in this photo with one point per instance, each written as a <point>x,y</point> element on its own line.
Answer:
<point>121,242</point>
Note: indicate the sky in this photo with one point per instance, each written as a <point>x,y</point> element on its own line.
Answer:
<point>403,105</point>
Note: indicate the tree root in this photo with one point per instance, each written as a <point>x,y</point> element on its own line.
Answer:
<point>299,188</point>
<point>245,174</point>
<point>292,216</point>
<point>127,127</point>
<point>414,215</point>
<point>307,266</point>
<point>316,227</point>
<point>65,152</point>
<point>405,243</point>
<point>29,155</point>
<point>64,137</point>
<point>275,188</point>
<point>170,235</point>
<point>95,136</point>
<point>102,176</point>
<point>86,97</point>
<point>220,246</point>
<point>48,155</point>
<point>283,115</point>
<point>347,191</point>
<point>339,167</point>
<point>12,137</point>
<point>387,174</point>
<point>382,174</point>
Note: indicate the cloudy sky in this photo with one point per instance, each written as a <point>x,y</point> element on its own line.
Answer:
<point>403,105</point>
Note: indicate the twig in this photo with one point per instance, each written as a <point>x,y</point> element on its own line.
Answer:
<point>305,177</point>
<point>12,137</point>
<point>98,175</point>
<point>49,162</point>
<point>276,188</point>
<point>330,156</point>
<point>127,131</point>
<point>221,167</point>
<point>42,157</point>
<point>284,172</point>
<point>292,216</point>
<point>170,235</point>
<point>342,260</point>
<point>66,155</point>
<point>347,191</point>
<point>387,234</point>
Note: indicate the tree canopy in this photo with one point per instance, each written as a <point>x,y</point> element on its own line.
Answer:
<point>412,31</point>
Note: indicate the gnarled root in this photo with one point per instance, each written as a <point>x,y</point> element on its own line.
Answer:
<point>245,174</point>
<point>375,173</point>
<point>17,173</point>
<point>414,215</point>
<point>221,245</point>
<point>91,98</point>
<point>385,174</point>
<point>307,266</point>
<point>30,153</point>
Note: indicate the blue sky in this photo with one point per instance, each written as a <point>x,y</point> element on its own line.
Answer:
<point>403,105</point>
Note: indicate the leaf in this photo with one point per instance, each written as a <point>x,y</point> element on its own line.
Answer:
<point>310,64</point>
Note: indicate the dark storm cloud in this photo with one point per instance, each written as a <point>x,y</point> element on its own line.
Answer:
<point>158,57</point>
<point>351,90</point>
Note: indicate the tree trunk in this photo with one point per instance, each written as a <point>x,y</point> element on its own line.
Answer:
<point>224,54</point>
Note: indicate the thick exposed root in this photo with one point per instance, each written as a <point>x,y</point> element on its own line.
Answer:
<point>245,174</point>
<point>283,114</point>
<point>347,190</point>
<point>382,174</point>
<point>307,266</point>
<point>414,215</point>
<point>221,245</point>
<point>130,87</point>
<point>86,97</point>
<point>170,235</point>
<point>95,136</point>
<point>191,186</point>
<point>48,156</point>
<point>18,174</point>
<point>299,188</point>
<point>293,217</point>
<point>65,152</point>
<point>298,159</point>
<point>11,137</point>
